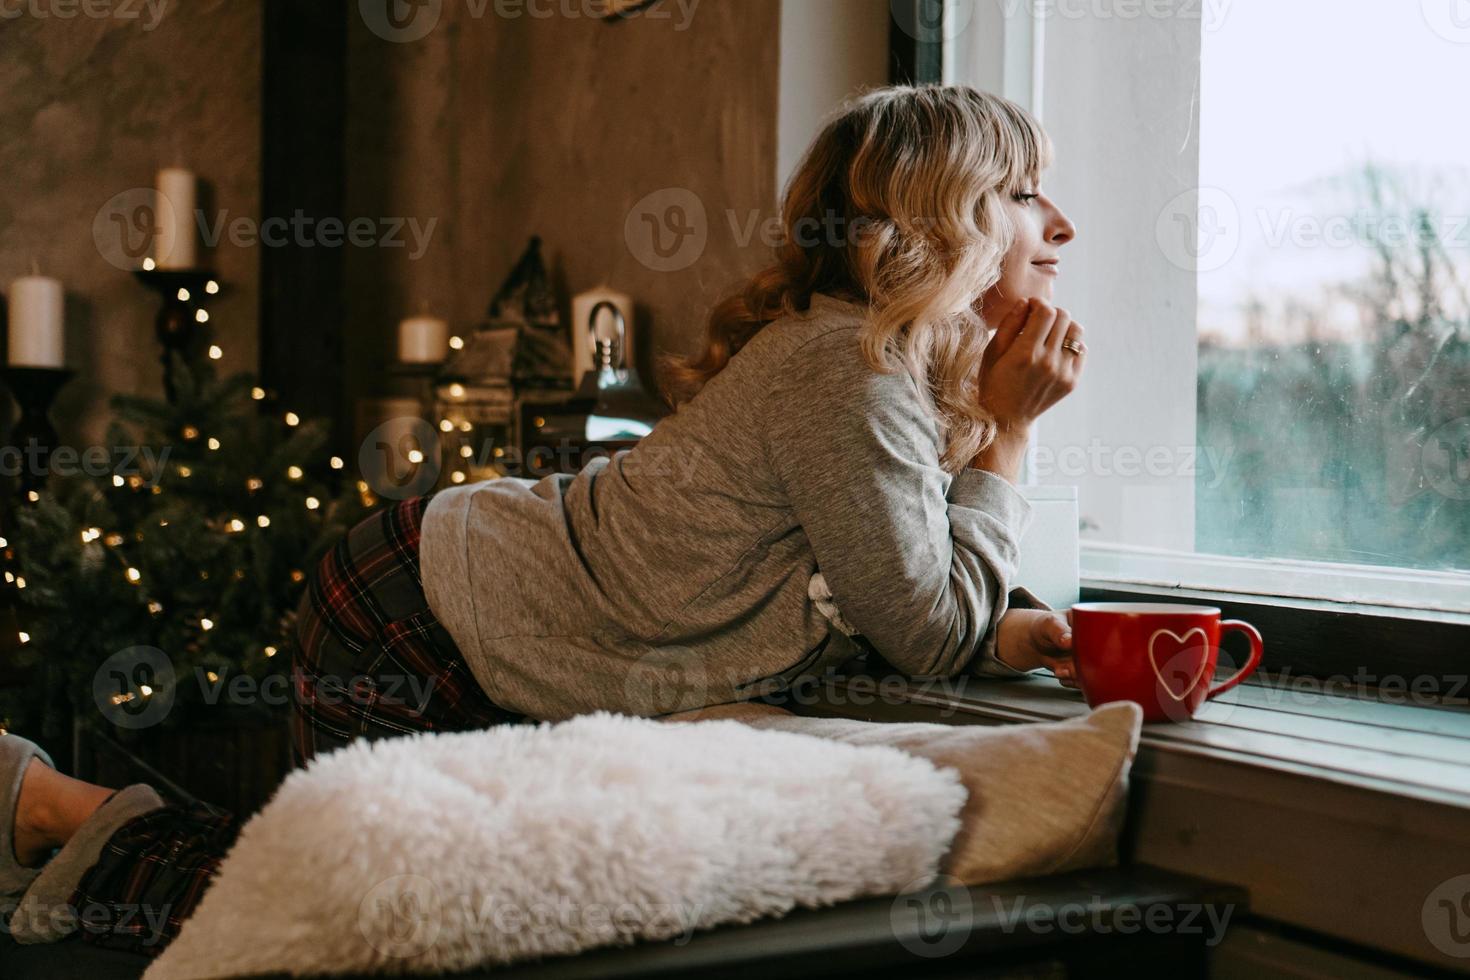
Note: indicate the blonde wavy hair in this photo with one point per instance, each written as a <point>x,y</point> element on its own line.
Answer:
<point>913,180</point>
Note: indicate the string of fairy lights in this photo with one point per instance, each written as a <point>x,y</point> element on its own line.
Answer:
<point>113,541</point>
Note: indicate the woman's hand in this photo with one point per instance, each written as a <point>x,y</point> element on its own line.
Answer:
<point>1029,638</point>
<point>1025,369</point>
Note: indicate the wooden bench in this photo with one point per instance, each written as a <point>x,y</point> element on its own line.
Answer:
<point>1136,920</point>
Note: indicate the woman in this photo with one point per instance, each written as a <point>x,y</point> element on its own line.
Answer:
<point>838,470</point>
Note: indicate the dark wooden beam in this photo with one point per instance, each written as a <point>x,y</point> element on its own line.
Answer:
<point>303,168</point>
<point>915,42</point>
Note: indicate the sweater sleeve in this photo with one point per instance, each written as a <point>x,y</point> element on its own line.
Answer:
<point>918,561</point>
<point>988,664</point>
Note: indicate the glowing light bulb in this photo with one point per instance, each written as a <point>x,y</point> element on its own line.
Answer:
<point>466,451</point>
<point>445,425</point>
<point>292,418</point>
<point>133,575</point>
<point>148,265</point>
<point>183,295</point>
<point>237,525</point>
<point>201,316</point>
<point>456,477</point>
<point>211,287</point>
<point>456,342</point>
<point>336,462</point>
<point>206,624</point>
<point>263,521</point>
<point>257,393</point>
<point>215,352</point>
<point>25,637</point>
<point>213,443</point>
<point>415,456</point>
<point>293,472</point>
<point>312,503</point>
<point>117,480</point>
<point>270,651</point>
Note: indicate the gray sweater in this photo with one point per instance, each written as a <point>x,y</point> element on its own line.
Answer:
<point>679,574</point>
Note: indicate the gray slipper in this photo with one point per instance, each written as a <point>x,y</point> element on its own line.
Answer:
<point>15,754</point>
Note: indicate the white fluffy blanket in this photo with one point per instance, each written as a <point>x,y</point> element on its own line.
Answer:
<point>443,852</point>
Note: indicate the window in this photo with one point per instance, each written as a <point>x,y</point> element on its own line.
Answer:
<point>1273,264</point>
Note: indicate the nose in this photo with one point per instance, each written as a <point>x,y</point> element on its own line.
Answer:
<point>1059,228</point>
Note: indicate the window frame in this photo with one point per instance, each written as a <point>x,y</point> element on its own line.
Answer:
<point>1320,618</point>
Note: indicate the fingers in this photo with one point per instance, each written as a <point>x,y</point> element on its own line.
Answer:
<point>1065,671</point>
<point>1039,323</point>
<point>1072,360</point>
<point>1060,632</point>
<point>1010,325</point>
<point>1059,327</point>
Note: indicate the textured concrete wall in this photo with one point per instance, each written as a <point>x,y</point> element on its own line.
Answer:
<point>508,126</point>
<point>486,130</point>
<point>92,107</point>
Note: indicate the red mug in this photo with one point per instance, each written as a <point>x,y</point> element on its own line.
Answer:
<point>1161,655</point>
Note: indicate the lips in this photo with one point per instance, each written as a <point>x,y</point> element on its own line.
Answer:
<point>1047,265</point>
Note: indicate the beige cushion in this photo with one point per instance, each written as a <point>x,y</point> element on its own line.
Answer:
<point>1043,797</point>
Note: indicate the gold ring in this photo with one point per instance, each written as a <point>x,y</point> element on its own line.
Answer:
<point>1076,347</point>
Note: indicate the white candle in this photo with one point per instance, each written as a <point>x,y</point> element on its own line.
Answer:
<point>175,245</point>
<point>423,340</point>
<point>582,304</point>
<point>37,313</point>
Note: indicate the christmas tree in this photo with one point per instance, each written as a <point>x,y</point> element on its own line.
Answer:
<point>179,570</point>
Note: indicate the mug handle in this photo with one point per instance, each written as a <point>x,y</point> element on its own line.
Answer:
<point>1257,648</point>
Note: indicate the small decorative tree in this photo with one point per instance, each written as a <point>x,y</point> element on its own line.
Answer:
<point>195,547</point>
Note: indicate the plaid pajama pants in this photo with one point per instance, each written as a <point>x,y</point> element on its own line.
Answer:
<point>371,661</point>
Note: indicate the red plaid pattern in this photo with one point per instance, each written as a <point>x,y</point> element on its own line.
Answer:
<point>371,661</point>
<point>150,876</point>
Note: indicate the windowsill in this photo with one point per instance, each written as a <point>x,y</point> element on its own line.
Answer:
<point>1406,749</point>
<point>1340,814</point>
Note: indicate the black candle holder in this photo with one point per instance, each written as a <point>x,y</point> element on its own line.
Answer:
<point>176,325</point>
<point>421,377</point>
<point>33,434</point>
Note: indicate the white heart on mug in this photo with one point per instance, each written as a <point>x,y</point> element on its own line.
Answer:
<point>1153,662</point>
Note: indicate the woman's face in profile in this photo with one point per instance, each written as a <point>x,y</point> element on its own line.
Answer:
<point>1030,268</point>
